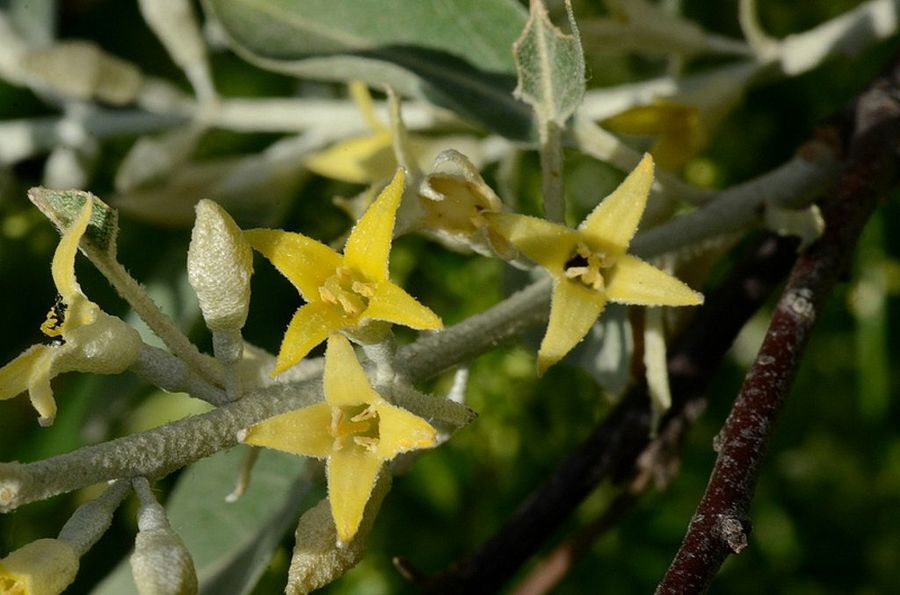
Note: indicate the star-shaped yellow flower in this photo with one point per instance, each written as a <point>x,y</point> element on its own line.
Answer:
<point>355,429</point>
<point>590,266</point>
<point>348,292</point>
<point>79,335</point>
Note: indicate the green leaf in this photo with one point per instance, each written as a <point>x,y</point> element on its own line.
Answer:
<point>63,206</point>
<point>550,65</point>
<point>455,53</point>
<point>231,543</point>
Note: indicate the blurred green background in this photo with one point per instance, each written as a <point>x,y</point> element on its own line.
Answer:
<point>827,512</point>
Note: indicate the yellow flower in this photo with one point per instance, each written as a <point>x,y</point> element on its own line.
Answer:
<point>678,128</point>
<point>43,567</point>
<point>349,292</point>
<point>590,266</point>
<point>355,429</point>
<point>454,198</point>
<point>79,335</point>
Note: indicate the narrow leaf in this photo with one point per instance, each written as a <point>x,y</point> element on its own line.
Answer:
<point>550,65</point>
<point>655,364</point>
<point>63,206</point>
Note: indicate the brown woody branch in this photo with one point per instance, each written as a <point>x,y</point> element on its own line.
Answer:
<point>720,525</point>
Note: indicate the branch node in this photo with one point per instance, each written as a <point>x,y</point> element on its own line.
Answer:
<point>733,532</point>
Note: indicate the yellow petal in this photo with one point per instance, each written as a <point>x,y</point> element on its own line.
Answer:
<point>548,244</point>
<point>358,160</point>
<point>633,281</point>
<point>305,431</point>
<point>573,311</point>
<point>32,370</point>
<point>310,326</point>
<point>369,245</point>
<point>39,390</point>
<point>351,475</point>
<point>363,100</point>
<point>63,267</point>
<point>305,262</point>
<point>616,218</point>
<point>401,431</point>
<point>42,567</point>
<point>344,380</point>
<point>16,375</point>
<point>392,304</point>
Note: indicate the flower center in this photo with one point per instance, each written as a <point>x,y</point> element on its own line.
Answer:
<point>12,586</point>
<point>52,326</point>
<point>461,210</point>
<point>358,423</point>
<point>585,265</point>
<point>347,290</point>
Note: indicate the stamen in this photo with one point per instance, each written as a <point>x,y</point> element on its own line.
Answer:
<point>370,444</point>
<point>349,304</point>
<point>585,265</point>
<point>368,413</point>
<point>326,295</point>
<point>573,272</point>
<point>344,290</point>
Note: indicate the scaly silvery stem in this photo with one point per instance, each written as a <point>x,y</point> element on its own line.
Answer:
<point>154,453</point>
<point>24,138</point>
<point>792,185</point>
<point>132,292</point>
<point>382,355</point>
<point>162,450</point>
<point>228,347</point>
<point>552,172</point>
<point>88,524</point>
<point>161,368</point>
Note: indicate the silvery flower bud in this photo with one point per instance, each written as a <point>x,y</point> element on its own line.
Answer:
<point>161,564</point>
<point>220,263</point>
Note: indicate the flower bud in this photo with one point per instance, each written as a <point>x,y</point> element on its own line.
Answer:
<point>454,196</point>
<point>220,263</point>
<point>318,557</point>
<point>43,567</point>
<point>161,564</point>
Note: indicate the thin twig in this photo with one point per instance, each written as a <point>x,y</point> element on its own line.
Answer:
<point>720,525</point>
<point>557,564</point>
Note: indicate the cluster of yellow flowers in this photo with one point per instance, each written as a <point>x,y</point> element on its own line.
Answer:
<point>350,295</point>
